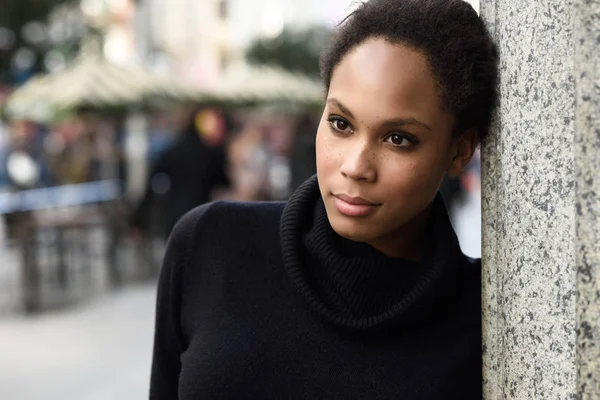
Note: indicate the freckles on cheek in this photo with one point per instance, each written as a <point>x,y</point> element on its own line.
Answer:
<point>420,173</point>
<point>325,155</point>
<point>429,173</point>
<point>330,153</point>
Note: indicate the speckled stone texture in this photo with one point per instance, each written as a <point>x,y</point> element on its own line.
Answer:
<point>541,206</point>
<point>587,169</point>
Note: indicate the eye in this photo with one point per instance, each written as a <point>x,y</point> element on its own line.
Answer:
<point>400,140</point>
<point>339,124</point>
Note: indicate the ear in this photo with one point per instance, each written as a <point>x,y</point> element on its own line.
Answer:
<point>462,149</point>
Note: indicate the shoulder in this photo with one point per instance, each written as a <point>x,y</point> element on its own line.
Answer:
<point>473,261</point>
<point>472,264</point>
<point>216,229</point>
<point>230,211</point>
<point>471,270</point>
<point>225,218</point>
<point>470,276</point>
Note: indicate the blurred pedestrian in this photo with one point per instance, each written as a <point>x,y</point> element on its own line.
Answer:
<point>303,161</point>
<point>248,164</point>
<point>187,173</point>
<point>356,288</point>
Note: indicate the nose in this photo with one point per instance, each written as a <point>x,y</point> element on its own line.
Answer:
<point>358,162</point>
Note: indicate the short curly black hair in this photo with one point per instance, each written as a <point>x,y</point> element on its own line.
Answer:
<point>451,35</point>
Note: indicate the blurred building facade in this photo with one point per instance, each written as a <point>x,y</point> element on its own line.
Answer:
<point>198,39</point>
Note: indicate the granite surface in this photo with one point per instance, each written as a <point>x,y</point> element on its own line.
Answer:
<point>490,251</point>
<point>534,281</point>
<point>587,191</point>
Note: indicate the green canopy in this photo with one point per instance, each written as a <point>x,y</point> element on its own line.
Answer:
<point>92,81</point>
<point>245,83</point>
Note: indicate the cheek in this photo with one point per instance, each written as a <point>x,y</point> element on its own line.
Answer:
<point>414,175</point>
<point>326,157</point>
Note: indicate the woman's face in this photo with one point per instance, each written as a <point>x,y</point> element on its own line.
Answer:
<point>384,143</point>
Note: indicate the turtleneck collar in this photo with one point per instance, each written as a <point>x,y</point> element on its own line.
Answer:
<point>352,278</point>
<point>351,284</point>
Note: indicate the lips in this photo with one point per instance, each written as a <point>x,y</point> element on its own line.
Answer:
<point>353,206</point>
<point>356,201</point>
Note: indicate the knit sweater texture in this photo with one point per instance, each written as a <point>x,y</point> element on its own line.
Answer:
<point>266,301</point>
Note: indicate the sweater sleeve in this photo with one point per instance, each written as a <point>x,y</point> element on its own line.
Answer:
<point>169,341</point>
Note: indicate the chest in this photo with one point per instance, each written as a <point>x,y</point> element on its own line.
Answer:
<point>231,357</point>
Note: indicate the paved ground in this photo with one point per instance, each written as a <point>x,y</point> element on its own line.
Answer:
<point>99,350</point>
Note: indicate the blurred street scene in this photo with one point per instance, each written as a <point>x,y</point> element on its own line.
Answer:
<point>119,116</point>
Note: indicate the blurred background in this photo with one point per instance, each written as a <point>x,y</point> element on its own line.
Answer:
<point>118,116</point>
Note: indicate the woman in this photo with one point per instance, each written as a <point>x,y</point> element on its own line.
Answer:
<point>356,288</point>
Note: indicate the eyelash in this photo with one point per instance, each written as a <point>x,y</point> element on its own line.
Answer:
<point>409,139</point>
<point>334,118</point>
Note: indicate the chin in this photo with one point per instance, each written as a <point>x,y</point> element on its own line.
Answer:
<point>357,231</point>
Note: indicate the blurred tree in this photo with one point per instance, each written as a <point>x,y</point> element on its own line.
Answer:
<point>294,50</point>
<point>24,37</point>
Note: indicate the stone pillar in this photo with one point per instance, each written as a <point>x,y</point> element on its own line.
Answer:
<point>541,203</point>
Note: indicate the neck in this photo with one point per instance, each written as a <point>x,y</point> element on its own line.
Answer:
<point>405,242</point>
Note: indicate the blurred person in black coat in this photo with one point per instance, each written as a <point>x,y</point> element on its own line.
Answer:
<point>186,174</point>
<point>303,159</point>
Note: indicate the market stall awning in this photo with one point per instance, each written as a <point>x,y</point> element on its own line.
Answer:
<point>92,81</point>
<point>259,84</point>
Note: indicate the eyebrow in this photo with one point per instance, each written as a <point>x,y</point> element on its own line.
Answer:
<point>389,122</point>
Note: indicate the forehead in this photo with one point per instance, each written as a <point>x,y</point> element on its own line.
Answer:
<point>386,79</point>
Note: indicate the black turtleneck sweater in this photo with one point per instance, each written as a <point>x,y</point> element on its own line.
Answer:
<point>266,301</point>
